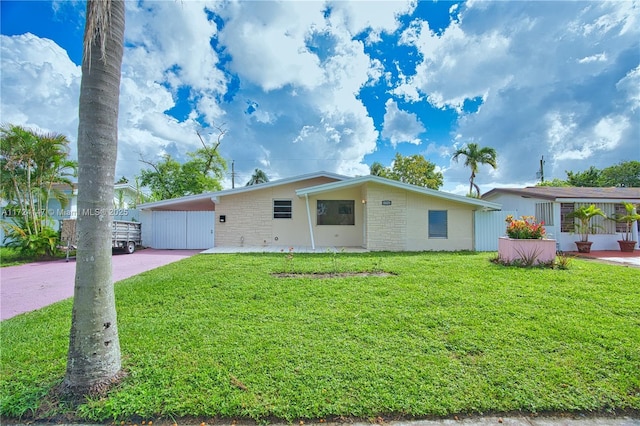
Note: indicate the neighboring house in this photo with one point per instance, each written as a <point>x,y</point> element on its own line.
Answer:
<point>553,204</point>
<point>316,210</point>
<point>124,202</point>
<point>125,196</point>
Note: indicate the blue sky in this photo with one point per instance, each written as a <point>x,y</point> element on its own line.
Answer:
<point>302,86</point>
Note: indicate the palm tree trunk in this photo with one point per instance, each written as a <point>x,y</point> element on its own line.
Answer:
<point>93,362</point>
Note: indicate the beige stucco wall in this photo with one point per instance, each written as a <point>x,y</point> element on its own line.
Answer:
<point>403,226</point>
<point>250,222</point>
<point>386,225</point>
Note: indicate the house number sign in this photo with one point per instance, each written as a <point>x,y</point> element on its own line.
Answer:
<point>386,202</point>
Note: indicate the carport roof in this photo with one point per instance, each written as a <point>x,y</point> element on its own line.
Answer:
<point>319,189</point>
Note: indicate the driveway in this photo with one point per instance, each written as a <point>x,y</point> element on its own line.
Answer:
<point>25,288</point>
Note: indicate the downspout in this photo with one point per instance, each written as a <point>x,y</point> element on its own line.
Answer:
<point>634,227</point>
<point>313,244</point>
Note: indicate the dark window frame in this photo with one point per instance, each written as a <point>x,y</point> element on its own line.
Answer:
<point>435,226</point>
<point>282,209</point>
<point>335,212</point>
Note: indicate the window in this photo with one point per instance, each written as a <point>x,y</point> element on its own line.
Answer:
<point>437,224</point>
<point>544,213</point>
<point>620,210</point>
<point>336,212</point>
<point>567,224</point>
<point>282,209</point>
<point>598,224</point>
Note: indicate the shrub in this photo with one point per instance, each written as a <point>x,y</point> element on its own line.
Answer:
<point>20,235</point>
<point>525,228</point>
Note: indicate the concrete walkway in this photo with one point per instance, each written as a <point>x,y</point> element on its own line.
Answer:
<point>28,287</point>
<point>611,256</point>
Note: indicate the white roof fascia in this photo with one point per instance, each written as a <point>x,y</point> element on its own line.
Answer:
<point>124,186</point>
<point>595,200</point>
<point>171,201</point>
<point>278,182</point>
<point>215,196</point>
<point>396,184</point>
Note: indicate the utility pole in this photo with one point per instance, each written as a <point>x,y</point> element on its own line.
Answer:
<point>540,173</point>
<point>233,174</point>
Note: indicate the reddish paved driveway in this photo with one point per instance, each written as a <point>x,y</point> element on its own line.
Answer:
<point>32,286</point>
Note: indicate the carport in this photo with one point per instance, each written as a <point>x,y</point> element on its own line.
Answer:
<point>183,223</point>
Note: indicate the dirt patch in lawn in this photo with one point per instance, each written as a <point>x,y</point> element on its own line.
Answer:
<point>332,274</point>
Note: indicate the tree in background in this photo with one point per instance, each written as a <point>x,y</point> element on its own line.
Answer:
<point>93,360</point>
<point>170,179</point>
<point>554,182</point>
<point>257,177</point>
<point>33,166</point>
<point>475,156</point>
<point>624,174</point>
<point>414,170</point>
<point>587,178</point>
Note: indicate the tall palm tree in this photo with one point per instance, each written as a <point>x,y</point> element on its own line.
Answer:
<point>257,177</point>
<point>31,164</point>
<point>474,156</point>
<point>93,361</point>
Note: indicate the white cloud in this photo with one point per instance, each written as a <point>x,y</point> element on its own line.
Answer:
<point>171,45</point>
<point>600,57</point>
<point>457,65</point>
<point>401,126</point>
<point>315,119</point>
<point>40,85</point>
<point>562,82</point>
<point>539,95</point>
<point>268,43</point>
<point>630,85</point>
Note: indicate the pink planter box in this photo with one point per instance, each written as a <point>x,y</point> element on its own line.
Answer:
<point>536,251</point>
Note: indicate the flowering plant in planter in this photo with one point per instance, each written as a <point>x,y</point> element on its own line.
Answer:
<point>525,228</point>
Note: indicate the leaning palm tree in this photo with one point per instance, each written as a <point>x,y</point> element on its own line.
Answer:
<point>257,177</point>
<point>93,362</point>
<point>377,169</point>
<point>474,156</point>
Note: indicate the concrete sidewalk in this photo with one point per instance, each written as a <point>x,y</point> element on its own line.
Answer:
<point>569,420</point>
<point>523,421</point>
<point>31,286</point>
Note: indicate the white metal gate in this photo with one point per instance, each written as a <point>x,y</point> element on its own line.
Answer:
<point>489,226</point>
<point>183,229</point>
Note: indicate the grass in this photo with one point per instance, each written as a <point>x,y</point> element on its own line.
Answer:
<point>12,257</point>
<point>221,336</point>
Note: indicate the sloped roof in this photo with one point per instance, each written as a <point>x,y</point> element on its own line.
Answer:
<point>569,193</point>
<point>327,187</point>
<point>210,197</point>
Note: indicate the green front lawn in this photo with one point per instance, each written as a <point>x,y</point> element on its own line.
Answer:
<point>222,336</point>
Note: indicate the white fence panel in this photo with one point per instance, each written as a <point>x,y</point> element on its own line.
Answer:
<point>200,233</point>
<point>182,229</point>
<point>489,226</point>
<point>169,230</point>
